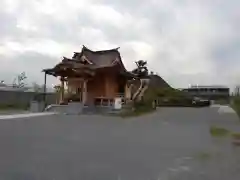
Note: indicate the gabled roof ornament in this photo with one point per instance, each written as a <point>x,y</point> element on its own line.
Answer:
<point>65,59</point>
<point>115,61</point>
<point>84,58</point>
<point>84,47</point>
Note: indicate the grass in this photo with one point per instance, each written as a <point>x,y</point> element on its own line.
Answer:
<point>236,104</point>
<point>139,109</point>
<point>236,139</point>
<point>236,107</point>
<point>219,132</point>
<point>236,135</point>
<point>203,156</point>
<point>222,102</point>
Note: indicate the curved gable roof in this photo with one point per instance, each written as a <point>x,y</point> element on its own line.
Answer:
<point>103,58</point>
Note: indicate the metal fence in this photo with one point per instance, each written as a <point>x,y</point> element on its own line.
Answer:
<point>21,98</point>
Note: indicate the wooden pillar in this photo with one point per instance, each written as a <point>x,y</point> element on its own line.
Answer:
<point>84,91</point>
<point>62,90</point>
<point>81,92</point>
<point>67,86</point>
<point>126,91</point>
<point>45,89</point>
<point>128,88</point>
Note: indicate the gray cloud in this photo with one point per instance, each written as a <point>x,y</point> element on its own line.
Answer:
<point>194,39</point>
<point>31,63</point>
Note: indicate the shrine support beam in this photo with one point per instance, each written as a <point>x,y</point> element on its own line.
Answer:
<point>45,89</point>
<point>62,90</point>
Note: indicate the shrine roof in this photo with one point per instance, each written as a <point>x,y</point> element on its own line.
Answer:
<point>103,58</point>
<point>91,60</point>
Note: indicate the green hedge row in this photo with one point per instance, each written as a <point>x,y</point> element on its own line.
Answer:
<point>236,104</point>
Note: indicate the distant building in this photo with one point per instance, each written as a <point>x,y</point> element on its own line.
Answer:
<point>237,91</point>
<point>209,92</point>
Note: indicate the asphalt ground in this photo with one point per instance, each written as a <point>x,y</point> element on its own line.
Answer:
<point>172,143</point>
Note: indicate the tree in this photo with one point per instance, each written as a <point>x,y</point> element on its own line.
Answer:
<point>19,80</point>
<point>141,70</point>
<point>57,88</point>
<point>2,83</point>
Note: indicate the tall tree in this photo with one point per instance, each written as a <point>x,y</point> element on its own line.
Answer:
<point>57,88</point>
<point>19,80</point>
<point>2,83</point>
<point>141,70</point>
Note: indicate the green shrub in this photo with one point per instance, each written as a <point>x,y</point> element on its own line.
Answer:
<point>236,104</point>
<point>203,156</point>
<point>218,131</point>
<point>169,92</point>
<point>138,109</point>
<point>136,112</point>
<point>236,135</point>
<point>222,101</point>
<point>170,97</point>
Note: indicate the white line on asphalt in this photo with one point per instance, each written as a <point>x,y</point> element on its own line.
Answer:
<point>16,116</point>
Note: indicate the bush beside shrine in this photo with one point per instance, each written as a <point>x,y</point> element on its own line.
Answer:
<point>236,104</point>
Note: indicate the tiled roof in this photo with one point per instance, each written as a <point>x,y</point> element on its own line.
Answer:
<point>90,60</point>
<point>104,58</point>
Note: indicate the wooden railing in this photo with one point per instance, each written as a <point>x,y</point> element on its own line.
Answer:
<point>103,101</point>
<point>120,95</point>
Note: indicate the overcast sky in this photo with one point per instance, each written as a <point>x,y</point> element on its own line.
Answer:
<point>184,41</point>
